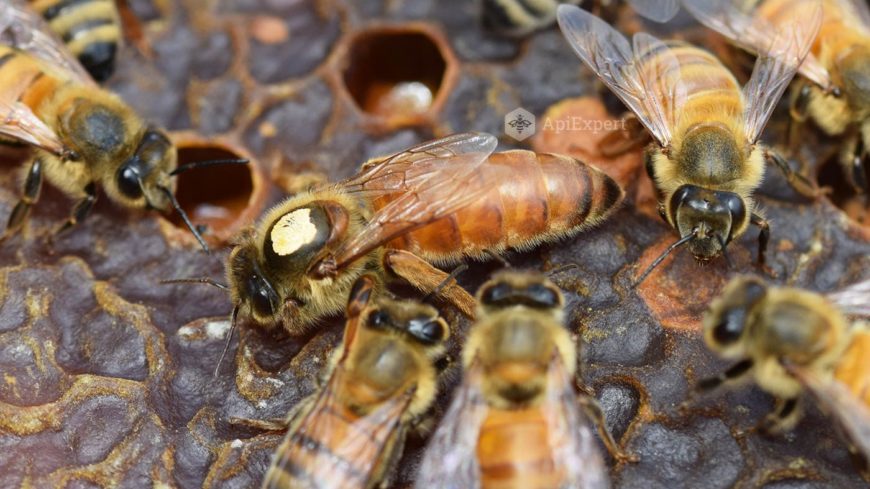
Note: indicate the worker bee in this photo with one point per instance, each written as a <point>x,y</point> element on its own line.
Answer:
<point>82,135</point>
<point>515,420</point>
<point>835,92</point>
<point>438,202</point>
<point>707,159</point>
<point>92,30</point>
<point>791,341</point>
<point>381,381</point>
<point>517,18</point>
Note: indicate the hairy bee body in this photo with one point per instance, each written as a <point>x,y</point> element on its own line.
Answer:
<point>515,421</point>
<point>515,199</point>
<point>705,151</point>
<point>351,432</point>
<point>557,196</point>
<point>91,30</point>
<point>852,368</point>
<point>97,125</point>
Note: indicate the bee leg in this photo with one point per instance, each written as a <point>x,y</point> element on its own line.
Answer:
<point>798,181</point>
<point>32,186</point>
<point>593,410</point>
<point>763,240</point>
<point>427,278</point>
<point>81,210</point>
<point>275,424</point>
<point>782,417</point>
<point>733,372</point>
<point>798,109</point>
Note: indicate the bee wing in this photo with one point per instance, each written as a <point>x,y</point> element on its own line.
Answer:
<point>450,461</point>
<point>19,122</point>
<point>652,91</point>
<point>656,10</point>
<point>782,49</point>
<point>853,300</point>
<point>359,441</point>
<point>22,28</point>
<point>836,400</point>
<point>428,182</point>
<point>571,439</point>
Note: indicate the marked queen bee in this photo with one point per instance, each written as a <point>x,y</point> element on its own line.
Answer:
<point>436,203</point>
<point>382,379</point>
<point>706,160</point>
<point>793,341</point>
<point>835,91</point>
<point>82,135</point>
<point>515,420</point>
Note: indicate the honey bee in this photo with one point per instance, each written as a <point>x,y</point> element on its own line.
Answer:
<point>438,202</point>
<point>517,18</point>
<point>515,420</point>
<point>382,379</point>
<point>82,135</point>
<point>92,30</point>
<point>706,160</point>
<point>835,92</point>
<point>795,341</point>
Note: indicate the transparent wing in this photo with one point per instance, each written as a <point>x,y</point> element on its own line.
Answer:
<point>22,28</point>
<point>837,401</point>
<point>853,300</point>
<point>19,122</point>
<point>656,10</point>
<point>450,461</point>
<point>571,439</point>
<point>646,79</point>
<point>423,184</point>
<point>753,33</point>
<point>776,65</point>
<point>354,445</point>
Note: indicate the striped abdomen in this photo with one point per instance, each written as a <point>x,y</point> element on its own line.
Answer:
<point>332,447</point>
<point>89,28</point>
<point>25,79</point>
<point>514,451</point>
<point>853,368</point>
<point>712,93</point>
<point>534,198</point>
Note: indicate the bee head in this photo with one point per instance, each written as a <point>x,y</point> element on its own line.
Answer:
<point>511,288</point>
<point>728,318</point>
<point>252,287</point>
<point>143,179</point>
<point>418,322</point>
<point>710,217</point>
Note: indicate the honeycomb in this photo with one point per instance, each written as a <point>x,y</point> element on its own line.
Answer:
<point>107,374</point>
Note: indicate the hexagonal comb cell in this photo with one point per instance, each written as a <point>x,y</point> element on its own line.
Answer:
<point>223,198</point>
<point>400,75</point>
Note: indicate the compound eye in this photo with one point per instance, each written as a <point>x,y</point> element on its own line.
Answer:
<point>263,297</point>
<point>496,294</point>
<point>426,330</point>
<point>728,330</point>
<point>128,182</point>
<point>737,209</point>
<point>543,296</point>
<point>379,319</point>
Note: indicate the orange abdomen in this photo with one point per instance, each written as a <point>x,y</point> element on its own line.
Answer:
<point>534,198</point>
<point>514,451</point>
<point>319,453</point>
<point>853,369</point>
